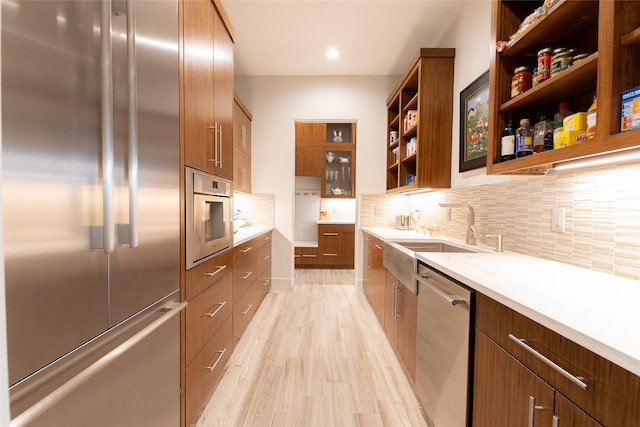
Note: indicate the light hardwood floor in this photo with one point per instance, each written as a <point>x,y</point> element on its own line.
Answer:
<point>315,356</point>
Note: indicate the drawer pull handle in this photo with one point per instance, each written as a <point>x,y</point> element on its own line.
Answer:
<point>245,250</point>
<point>579,381</point>
<point>266,239</point>
<point>219,268</point>
<point>213,313</point>
<point>329,234</point>
<point>378,246</point>
<point>221,353</point>
<point>532,408</point>
<point>367,239</point>
<point>246,276</point>
<point>296,256</point>
<point>266,258</point>
<point>246,310</point>
<point>266,282</point>
<point>330,254</point>
<point>309,256</point>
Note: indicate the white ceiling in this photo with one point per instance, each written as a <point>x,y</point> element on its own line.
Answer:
<point>291,37</point>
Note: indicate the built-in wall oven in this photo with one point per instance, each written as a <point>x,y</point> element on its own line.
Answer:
<point>208,216</point>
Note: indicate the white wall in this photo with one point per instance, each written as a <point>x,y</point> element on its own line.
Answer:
<point>472,39</point>
<point>276,103</point>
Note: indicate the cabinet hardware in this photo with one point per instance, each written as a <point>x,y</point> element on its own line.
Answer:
<point>266,282</point>
<point>213,366</point>
<point>378,247</point>
<point>220,142</point>
<point>532,408</point>
<point>245,250</point>
<point>265,258</point>
<point>213,313</point>
<point>246,310</point>
<point>556,421</point>
<point>395,301</point>
<point>246,276</point>
<point>330,254</point>
<point>329,234</point>
<point>309,256</point>
<point>579,381</point>
<point>219,268</point>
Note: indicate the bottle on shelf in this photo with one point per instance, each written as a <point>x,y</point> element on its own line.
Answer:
<point>524,139</point>
<point>508,140</point>
<point>591,119</point>
<point>541,133</point>
<point>558,117</point>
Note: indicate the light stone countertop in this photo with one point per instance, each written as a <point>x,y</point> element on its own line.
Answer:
<point>244,234</point>
<point>596,310</point>
<point>335,221</point>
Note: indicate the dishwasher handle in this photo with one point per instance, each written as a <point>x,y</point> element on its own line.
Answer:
<point>452,299</point>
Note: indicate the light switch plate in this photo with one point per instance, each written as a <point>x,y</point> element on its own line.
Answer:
<point>558,220</point>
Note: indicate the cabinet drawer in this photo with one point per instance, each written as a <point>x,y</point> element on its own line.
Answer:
<point>610,389</point>
<point>206,313</point>
<point>306,256</point>
<point>206,369</point>
<point>244,274</point>
<point>329,234</point>
<point>263,284</point>
<point>245,249</point>
<point>204,275</point>
<point>263,257</point>
<point>330,255</point>
<point>243,311</point>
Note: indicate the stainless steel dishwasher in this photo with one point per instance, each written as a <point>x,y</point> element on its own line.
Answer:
<point>443,366</point>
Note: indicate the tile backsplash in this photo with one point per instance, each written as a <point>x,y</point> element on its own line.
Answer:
<point>256,209</point>
<point>602,208</point>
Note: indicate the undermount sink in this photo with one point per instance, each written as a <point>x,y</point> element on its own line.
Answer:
<point>399,258</point>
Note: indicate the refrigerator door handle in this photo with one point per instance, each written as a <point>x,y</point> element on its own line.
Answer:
<point>108,230</point>
<point>28,416</point>
<point>132,86</point>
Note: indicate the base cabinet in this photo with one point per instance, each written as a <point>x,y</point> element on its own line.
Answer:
<point>400,321</point>
<point>373,275</point>
<point>512,383</point>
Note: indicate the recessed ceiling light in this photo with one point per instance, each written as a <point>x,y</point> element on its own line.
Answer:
<point>332,53</point>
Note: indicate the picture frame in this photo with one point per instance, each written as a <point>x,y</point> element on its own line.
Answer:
<point>474,123</point>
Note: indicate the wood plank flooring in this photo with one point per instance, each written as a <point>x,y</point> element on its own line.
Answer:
<point>315,356</point>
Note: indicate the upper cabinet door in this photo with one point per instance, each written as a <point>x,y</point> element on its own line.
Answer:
<point>207,89</point>
<point>199,123</point>
<point>222,98</point>
<point>310,134</point>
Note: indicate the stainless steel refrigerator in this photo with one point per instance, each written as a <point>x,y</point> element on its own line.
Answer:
<point>90,161</point>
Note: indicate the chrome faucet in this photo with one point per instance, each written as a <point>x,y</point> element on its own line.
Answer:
<point>498,240</point>
<point>472,232</point>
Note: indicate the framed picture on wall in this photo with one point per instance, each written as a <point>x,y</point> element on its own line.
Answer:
<point>474,123</point>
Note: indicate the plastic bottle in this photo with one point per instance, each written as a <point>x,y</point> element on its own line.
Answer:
<point>541,131</point>
<point>508,141</point>
<point>557,120</point>
<point>524,139</point>
<point>591,119</point>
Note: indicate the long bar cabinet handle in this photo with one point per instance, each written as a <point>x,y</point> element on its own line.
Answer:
<point>329,234</point>
<point>378,246</point>
<point>132,89</point>
<point>213,313</point>
<point>246,310</point>
<point>245,250</point>
<point>556,421</point>
<point>220,143</point>
<point>265,258</point>
<point>532,409</point>
<point>266,282</point>
<point>220,354</point>
<point>108,232</point>
<point>579,381</point>
<point>219,268</point>
<point>246,276</point>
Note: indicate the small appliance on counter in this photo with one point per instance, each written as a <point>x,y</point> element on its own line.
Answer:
<point>403,222</point>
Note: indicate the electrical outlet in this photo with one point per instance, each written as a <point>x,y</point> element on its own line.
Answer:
<point>378,211</point>
<point>558,220</point>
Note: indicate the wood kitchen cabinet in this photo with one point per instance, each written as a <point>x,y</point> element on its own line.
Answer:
<point>420,113</point>
<point>241,146</point>
<point>207,330</point>
<point>207,87</point>
<point>309,139</point>
<point>608,31</point>
<point>507,374</point>
<point>336,245</point>
<point>400,321</point>
<point>374,275</point>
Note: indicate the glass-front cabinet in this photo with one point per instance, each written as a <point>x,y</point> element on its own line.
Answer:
<point>338,173</point>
